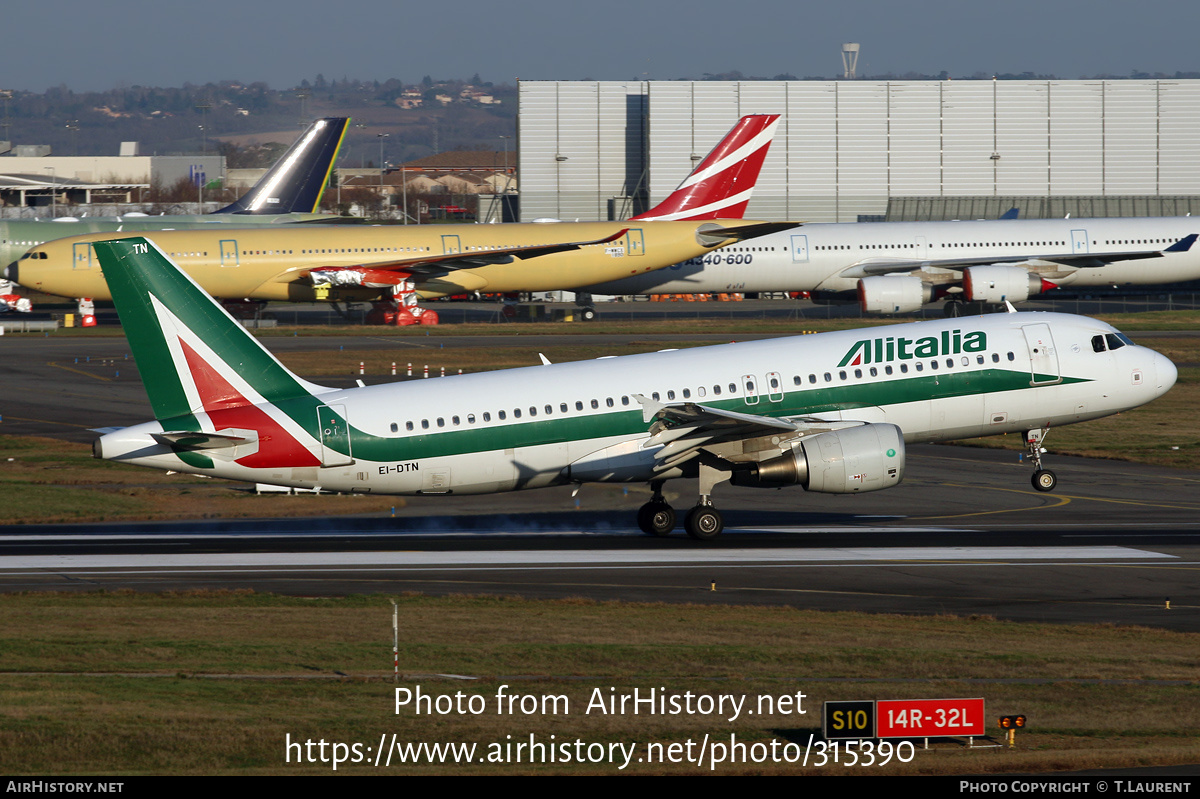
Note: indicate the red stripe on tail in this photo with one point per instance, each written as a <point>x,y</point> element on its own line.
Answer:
<point>227,407</point>
<point>735,178</point>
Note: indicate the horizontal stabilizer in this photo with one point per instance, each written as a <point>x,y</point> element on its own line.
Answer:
<point>191,440</point>
<point>744,232</point>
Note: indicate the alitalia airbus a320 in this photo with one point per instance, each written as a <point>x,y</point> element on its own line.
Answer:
<point>830,412</point>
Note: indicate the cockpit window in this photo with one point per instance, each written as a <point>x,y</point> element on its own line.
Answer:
<point>1110,341</point>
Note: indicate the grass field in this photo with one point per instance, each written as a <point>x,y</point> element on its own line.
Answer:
<point>215,683</point>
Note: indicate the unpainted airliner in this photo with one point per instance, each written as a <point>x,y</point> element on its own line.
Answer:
<point>829,412</point>
<point>896,267</point>
<point>289,192</point>
<point>340,263</point>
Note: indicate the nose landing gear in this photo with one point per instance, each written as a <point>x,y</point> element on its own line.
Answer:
<point>1043,479</point>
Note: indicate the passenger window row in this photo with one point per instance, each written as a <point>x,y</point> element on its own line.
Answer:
<point>889,369</point>
<point>442,422</point>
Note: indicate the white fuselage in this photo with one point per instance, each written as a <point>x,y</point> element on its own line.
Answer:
<point>813,257</point>
<point>582,421</point>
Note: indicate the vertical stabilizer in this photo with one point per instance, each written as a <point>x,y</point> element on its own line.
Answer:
<point>720,187</point>
<point>298,179</point>
<point>193,356</point>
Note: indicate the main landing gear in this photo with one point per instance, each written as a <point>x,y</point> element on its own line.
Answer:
<point>656,517</point>
<point>702,522</point>
<point>1043,479</point>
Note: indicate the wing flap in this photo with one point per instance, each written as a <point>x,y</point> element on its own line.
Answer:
<point>681,431</point>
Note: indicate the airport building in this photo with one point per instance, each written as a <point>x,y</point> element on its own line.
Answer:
<point>851,150</point>
<point>30,176</point>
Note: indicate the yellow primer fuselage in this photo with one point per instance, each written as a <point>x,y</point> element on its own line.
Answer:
<point>273,264</point>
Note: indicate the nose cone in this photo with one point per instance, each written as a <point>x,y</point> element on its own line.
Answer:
<point>10,272</point>
<point>1165,372</point>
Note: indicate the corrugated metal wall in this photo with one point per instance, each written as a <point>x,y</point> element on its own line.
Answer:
<point>846,147</point>
<point>587,143</point>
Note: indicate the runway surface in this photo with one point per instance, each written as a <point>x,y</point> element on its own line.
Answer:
<point>964,534</point>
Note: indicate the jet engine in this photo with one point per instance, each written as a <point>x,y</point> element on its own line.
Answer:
<point>848,461</point>
<point>995,284</point>
<point>893,294</point>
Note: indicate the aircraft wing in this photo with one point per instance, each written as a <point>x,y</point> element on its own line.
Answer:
<point>431,266</point>
<point>883,266</point>
<point>684,429</point>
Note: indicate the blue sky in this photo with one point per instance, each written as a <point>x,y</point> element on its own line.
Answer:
<point>101,44</point>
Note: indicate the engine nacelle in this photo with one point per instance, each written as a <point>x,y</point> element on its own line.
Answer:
<point>995,284</point>
<point>869,457</point>
<point>893,294</point>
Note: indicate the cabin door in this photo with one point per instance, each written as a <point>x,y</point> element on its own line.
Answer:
<point>634,243</point>
<point>1043,358</point>
<point>335,435</point>
<point>1079,242</point>
<point>229,252</point>
<point>82,256</point>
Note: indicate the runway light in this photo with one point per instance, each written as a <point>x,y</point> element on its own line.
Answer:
<point>1011,724</point>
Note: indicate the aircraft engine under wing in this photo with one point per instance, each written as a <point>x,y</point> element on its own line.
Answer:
<point>765,452</point>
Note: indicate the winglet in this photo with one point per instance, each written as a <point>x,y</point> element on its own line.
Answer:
<point>1011,213</point>
<point>1183,245</point>
<point>649,407</point>
<point>721,185</point>
<point>298,179</point>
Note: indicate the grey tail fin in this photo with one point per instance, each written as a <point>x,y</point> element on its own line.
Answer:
<point>295,183</point>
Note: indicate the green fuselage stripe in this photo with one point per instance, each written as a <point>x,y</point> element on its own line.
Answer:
<point>487,436</point>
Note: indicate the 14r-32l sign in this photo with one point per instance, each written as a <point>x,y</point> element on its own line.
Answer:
<point>921,718</point>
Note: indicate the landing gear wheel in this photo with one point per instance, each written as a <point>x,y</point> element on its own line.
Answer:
<point>704,523</point>
<point>656,518</point>
<point>1044,480</point>
<point>588,314</point>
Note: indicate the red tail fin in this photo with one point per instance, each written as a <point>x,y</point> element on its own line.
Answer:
<point>720,187</point>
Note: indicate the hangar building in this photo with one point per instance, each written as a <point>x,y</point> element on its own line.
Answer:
<point>852,150</point>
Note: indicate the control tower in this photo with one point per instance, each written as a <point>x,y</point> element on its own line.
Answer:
<point>849,60</point>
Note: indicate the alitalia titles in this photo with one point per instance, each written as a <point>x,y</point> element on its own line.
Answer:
<point>878,350</point>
